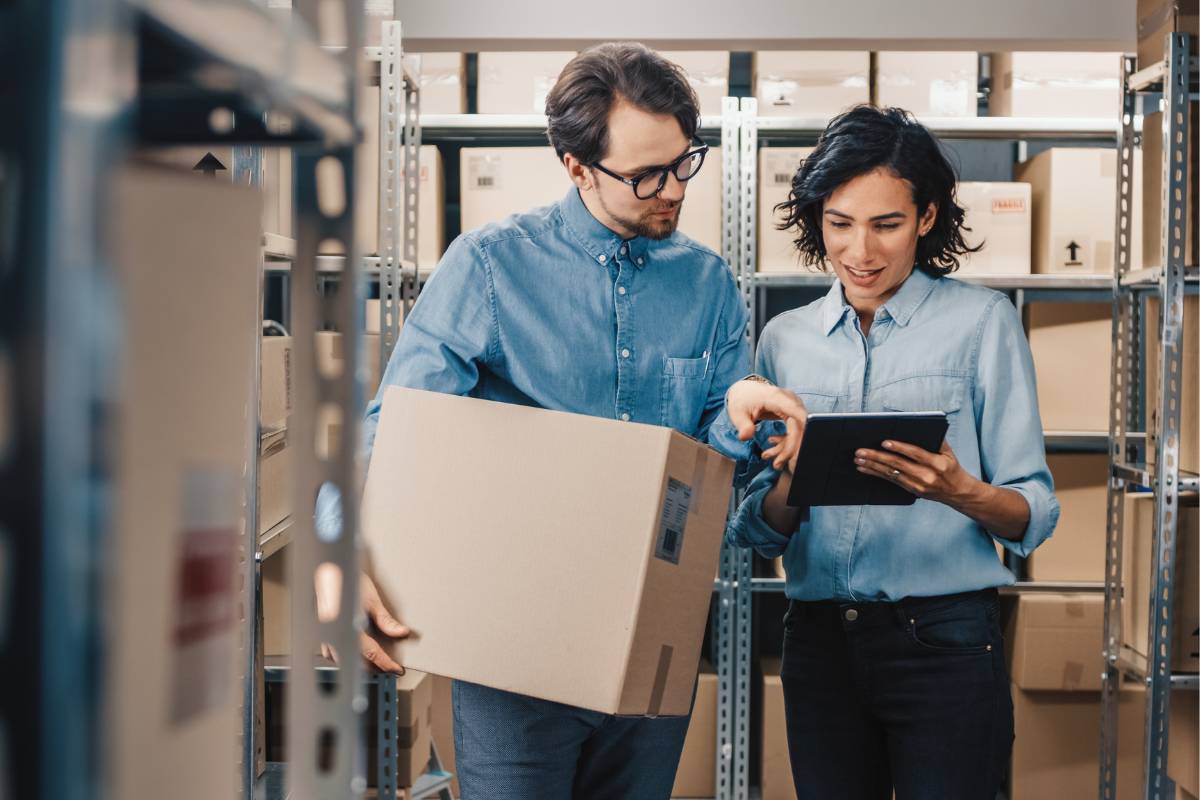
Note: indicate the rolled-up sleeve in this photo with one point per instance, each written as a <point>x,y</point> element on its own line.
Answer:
<point>748,527</point>
<point>1011,445</point>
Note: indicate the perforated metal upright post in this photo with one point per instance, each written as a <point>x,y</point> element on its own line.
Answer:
<point>391,220</point>
<point>1121,397</point>
<point>324,756</point>
<point>410,232</point>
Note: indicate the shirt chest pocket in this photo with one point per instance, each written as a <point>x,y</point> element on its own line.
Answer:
<point>943,393</point>
<point>684,392</point>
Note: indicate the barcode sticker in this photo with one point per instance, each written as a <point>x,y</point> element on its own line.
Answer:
<point>483,172</point>
<point>673,522</point>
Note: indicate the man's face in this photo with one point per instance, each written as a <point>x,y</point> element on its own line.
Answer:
<point>637,141</point>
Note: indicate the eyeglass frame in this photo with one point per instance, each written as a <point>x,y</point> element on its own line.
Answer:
<point>666,169</point>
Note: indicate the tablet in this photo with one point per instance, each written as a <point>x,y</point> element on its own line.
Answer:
<point>826,474</point>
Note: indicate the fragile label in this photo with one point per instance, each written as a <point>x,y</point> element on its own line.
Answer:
<point>1008,205</point>
<point>673,521</point>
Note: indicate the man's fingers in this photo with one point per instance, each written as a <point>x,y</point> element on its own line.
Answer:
<point>743,423</point>
<point>327,651</point>
<point>375,654</point>
<point>387,623</point>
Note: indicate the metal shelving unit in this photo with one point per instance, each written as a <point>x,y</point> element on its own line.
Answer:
<point>1173,79</point>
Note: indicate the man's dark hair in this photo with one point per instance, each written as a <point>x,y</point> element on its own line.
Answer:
<point>860,141</point>
<point>579,103</point>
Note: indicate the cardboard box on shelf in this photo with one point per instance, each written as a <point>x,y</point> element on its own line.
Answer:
<point>707,72</point>
<point>776,167</point>
<point>697,773</point>
<point>1074,205</point>
<point>275,480</point>
<point>499,181</point>
<point>331,356</point>
<point>1055,641</point>
<point>1152,190</point>
<point>443,81</point>
<point>1183,764</point>
<point>932,84</point>
<point>623,635</point>
<point>776,776</point>
<point>1057,747</point>
<point>1081,85</point>
<point>700,216</point>
<point>1076,550</point>
<point>517,83</point>
<point>1158,18</point>
<point>999,216</point>
<point>414,721</point>
<point>170,671</point>
<point>801,83</point>
<point>277,604</point>
<point>1139,580</point>
<point>275,395</point>
<point>1189,384</point>
<point>1072,347</point>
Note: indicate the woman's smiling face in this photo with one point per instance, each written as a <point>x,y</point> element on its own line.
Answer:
<point>870,228</point>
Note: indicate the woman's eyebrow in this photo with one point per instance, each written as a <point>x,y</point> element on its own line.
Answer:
<point>889,215</point>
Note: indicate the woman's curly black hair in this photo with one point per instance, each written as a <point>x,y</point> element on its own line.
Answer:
<point>859,141</point>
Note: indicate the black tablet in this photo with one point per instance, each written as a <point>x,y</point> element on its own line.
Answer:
<point>826,474</point>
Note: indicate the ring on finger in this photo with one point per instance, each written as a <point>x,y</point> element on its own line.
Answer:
<point>895,473</point>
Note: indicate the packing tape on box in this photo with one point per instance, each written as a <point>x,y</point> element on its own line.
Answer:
<point>407,735</point>
<point>1072,674</point>
<point>272,442</point>
<point>660,680</point>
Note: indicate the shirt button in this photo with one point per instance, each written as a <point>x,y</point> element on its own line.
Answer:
<point>624,249</point>
<point>602,258</point>
<point>620,290</point>
<point>625,417</point>
<point>639,262</point>
<point>625,353</point>
<point>851,614</point>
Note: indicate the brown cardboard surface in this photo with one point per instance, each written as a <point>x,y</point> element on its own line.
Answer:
<point>499,181</point>
<point>1074,203</point>
<point>443,726</point>
<point>1156,19</point>
<point>1183,761</point>
<point>1086,85</point>
<point>275,396</point>
<point>777,783</point>
<point>1072,355</point>
<point>443,79</point>
<point>700,215</point>
<point>803,83</point>
<point>1138,576</point>
<point>1076,550</point>
<point>330,357</point>
<point>776,167</point>
<point>697,773</point>
<point>182,445</point>
<point>1055,641</point>
<point>275,480</point>
<point>1189,385</point>
<point>1056,752</point>
<point>1152,190</point>
<point>623,546</point>
<point>999,216</point>
<point>930,84</point>
<point>277,605</point>
<point>517,83</point>
<point>707,72</point>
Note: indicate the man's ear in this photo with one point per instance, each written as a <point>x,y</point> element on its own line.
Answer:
<point>580,175</point>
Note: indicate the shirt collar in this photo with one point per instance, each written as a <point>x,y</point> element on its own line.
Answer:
<point>900,307</point>
<point>599,242</point>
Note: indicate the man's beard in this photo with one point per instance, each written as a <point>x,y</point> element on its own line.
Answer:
<point>648,225</point>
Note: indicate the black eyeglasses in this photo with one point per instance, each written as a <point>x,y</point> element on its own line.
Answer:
<point>651,182</point>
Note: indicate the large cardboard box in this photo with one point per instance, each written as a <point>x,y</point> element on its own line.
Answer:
<point>701,214</point>
<point>776,774</point>
<point>697,773</point>
<point>999,217</point>
<point>1056,752</point>
<point>1084,85</point>
<point>1076,550</point>
<point>938,84</point>
<point>1072,355</point>
<point>1158,18</point>
<point>1183,761</point>
<point>1140,580</point>
<point>181,448</point>
<point>1055,641</point>
<point>443,79</point>
<point>1189,382</point>
<point>414,722</point>
<point>1074,208</point>
<point>617,549</point>
<point>499,181</point>
<point>707,72</point>
<point>1152,190</point>
<point>802,83</point>
<point>776,168</point>
<point>517,83</point>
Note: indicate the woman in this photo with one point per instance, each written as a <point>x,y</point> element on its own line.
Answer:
<point>893,662</point>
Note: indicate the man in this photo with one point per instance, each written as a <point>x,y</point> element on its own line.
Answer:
<point>594,305</point>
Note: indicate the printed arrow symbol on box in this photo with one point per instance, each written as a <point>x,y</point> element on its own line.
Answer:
<point>1074,248</point>
<point>209,165</point>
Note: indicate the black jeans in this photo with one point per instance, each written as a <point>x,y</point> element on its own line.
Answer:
<point>911,695</point>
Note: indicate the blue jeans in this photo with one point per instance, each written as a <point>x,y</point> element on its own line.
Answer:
<point>512,747</point>
<point>912,695</point>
